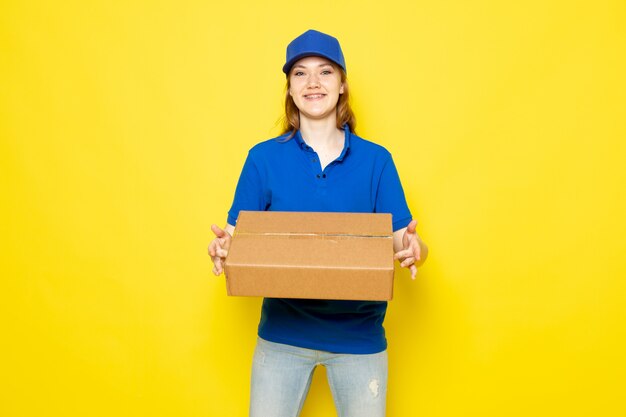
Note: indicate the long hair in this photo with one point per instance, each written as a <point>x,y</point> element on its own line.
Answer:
<point>291,118</point>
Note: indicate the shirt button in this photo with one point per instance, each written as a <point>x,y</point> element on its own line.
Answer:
<point>324,176</point>
<point>319,176</point>
<point>312,159</point>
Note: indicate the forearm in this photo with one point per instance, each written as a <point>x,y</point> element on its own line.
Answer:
<point>230,229</point>
<point>397,240</point>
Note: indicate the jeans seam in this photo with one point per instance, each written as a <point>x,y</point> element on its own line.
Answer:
<point>305,391</point>
<point>333,392</point>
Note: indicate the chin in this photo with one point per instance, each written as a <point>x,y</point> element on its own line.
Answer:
<point>317,116</point>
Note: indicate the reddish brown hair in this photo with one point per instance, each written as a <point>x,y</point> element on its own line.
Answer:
<point>291,118</point>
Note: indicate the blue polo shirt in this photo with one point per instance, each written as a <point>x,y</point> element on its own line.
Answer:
<point>286,175</point>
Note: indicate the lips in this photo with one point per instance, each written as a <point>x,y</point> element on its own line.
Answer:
<point>316,96</point>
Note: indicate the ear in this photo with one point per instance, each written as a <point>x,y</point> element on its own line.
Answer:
<point>341,89</point>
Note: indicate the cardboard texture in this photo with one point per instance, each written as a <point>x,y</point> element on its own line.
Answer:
<point>338,256</point>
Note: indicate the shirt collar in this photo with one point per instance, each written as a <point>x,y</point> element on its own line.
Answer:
<point>346,142</point>
<point>301,142</point>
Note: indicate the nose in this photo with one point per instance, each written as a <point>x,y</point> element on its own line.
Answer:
<point>313,81</point>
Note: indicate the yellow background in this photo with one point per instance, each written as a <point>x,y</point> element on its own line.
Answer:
<point>124,126</point>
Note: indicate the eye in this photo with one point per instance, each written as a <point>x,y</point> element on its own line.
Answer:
<point>326,72</point>
<point>298,73</point>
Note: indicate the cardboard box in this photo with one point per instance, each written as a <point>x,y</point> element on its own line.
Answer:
<point>340,256</point>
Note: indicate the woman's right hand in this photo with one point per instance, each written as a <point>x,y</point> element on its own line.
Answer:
<point>218,249</point>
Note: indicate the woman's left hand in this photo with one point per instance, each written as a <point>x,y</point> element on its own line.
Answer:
<point>410,254</point>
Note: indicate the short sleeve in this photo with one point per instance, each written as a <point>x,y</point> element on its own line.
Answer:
<point>390,196</point>
<point>249,194</point>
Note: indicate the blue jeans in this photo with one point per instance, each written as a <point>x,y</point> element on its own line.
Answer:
<point>281,376</point>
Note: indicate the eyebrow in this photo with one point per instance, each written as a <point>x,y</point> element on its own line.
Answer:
<point>320,65</point>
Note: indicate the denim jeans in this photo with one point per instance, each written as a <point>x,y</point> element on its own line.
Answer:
<point>281,376</point>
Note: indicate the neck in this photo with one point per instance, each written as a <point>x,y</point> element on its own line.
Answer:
<point>320,133</point>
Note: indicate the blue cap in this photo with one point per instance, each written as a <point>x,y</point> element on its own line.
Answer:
<point>314,43</point>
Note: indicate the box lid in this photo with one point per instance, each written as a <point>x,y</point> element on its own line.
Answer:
<point>351,224</point>
<point>303,239</point>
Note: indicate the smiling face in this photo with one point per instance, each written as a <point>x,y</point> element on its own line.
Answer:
<point>315,86</point>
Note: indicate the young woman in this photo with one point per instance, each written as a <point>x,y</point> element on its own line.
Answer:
<point>320,164</point>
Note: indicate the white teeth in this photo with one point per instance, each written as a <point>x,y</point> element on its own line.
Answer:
<point>315,96</point>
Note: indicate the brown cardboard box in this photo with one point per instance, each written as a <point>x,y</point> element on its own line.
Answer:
<point>340,256</point>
